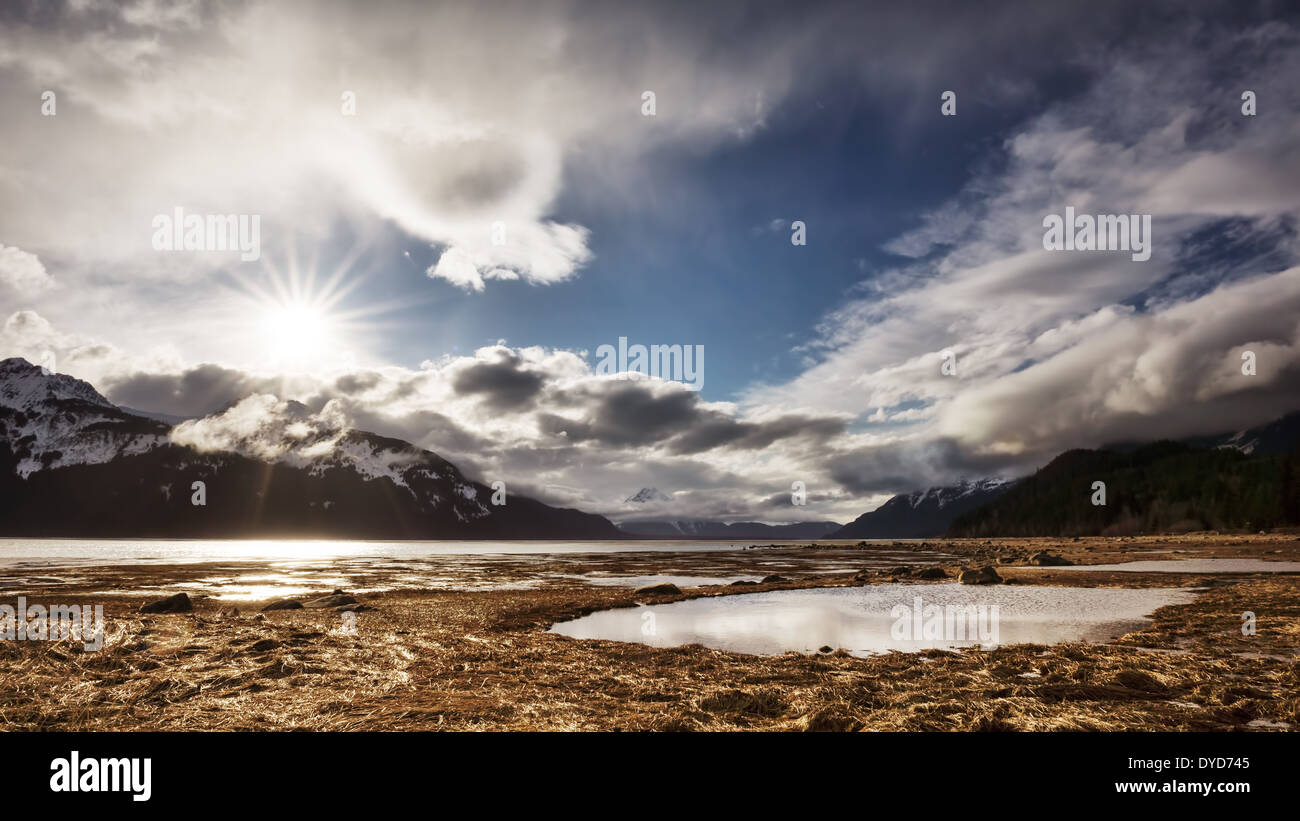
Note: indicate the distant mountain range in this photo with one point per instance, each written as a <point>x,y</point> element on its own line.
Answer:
<point>922,514</point>
<point>74,464</point>
<point>666,527</point>
<point>708,529</point>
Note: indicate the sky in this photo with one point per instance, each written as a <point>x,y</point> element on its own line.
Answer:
<point>460,203</point>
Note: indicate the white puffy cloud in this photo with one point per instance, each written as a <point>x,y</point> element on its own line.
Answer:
<point>22,272</point>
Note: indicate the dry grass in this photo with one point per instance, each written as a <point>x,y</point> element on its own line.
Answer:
<point>482,661</point>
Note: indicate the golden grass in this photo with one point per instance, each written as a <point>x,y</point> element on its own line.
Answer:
<point>482,660</point>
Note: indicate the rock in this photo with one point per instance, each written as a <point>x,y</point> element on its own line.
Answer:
<point>902,571</point>
<point>263,645</point>
<point>283,604</point>
<point>1044,559</point>
<point>180,603</point>
<point>774,579</point>
<point>352,608</point>
<point>664,589</point>
<point>333,600</point>
<point>742,583</point>
<point>931,573</point>
<point>229,612</point>
<point>862,575</point>
<point>825,648</point>
<point>985,575</point>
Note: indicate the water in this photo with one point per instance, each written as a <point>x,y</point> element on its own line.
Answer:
<point>134,551</point>
<point>258,570</point>
<point>1190,566</point>
<point>864,621</point>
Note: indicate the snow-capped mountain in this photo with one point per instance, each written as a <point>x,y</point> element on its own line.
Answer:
<point>52,420</point>
<point>923,514</point>
<point>72,463</point>
<point>648,495</point>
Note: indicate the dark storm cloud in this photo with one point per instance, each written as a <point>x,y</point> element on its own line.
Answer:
<point>633,415</point>
<point>723,431</point>
<point>909,465</point>
<point>194,392</point>
<point>501,385</point>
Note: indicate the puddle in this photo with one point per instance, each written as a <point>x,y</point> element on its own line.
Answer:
<point>876,619</point>
<point>1189,566</point>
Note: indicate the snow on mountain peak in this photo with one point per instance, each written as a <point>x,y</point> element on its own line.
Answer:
<point>648,495</point>
<point>23,386</point>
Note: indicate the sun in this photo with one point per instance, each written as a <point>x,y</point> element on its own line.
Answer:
<point>296,332</point>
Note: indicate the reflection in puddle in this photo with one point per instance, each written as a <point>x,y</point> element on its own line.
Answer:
<point>879,618</point>
<point>643,581</point>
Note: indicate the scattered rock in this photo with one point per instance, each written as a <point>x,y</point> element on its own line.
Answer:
<point>664,589</point>
<point>180,603</point>
<point>335,599</point>
<point>283,604</point>
<point>985,575</point>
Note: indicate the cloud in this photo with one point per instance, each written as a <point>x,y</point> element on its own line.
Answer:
<point>23,272</point>
<point>1079,349</point>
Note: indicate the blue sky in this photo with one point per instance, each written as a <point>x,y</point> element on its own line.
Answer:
<point>379,298</point>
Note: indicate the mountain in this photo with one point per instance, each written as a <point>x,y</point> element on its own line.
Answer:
<point>648,495</point>
<point>1161,487</point>
<point>922,514</point>
<point>74,464</point>
<point>1272,439</point>
<point>706,529</point>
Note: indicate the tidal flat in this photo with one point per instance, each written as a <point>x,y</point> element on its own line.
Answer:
<point>474,648</point>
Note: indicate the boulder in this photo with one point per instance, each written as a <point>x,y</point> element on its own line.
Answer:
<point>333,600</point>
<point>283,604</point>
<point>774,579</point>
<point>985,575</point>
<point>180,603</point>
<point>931,573</point>
<point>742,583</point>
<point>664,589</point>
<point>1044,559</point>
